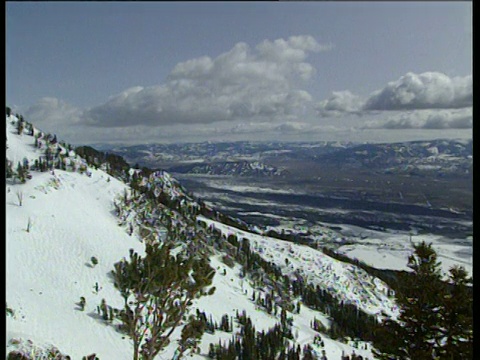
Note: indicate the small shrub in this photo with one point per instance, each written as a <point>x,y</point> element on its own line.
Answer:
<point>94,260</point>
<point>10,311</point>
<point>17,355</point>
<point>90,357</point>
<point>227,260</point>
<point>211,291</point>
<point>82,303</point>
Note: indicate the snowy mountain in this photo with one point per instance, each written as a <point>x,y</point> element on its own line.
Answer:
<point>443,157</point>
<point>68,223</point>
<point>229,168</point>
<point>171,155</point>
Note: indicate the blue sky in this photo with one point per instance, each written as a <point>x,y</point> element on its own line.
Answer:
<point>182,71</point>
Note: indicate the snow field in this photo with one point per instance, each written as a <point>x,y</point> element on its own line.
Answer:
<point>390,250</point>
<point>70,218</point>
<point>348,282</point>
<point>48,268</point>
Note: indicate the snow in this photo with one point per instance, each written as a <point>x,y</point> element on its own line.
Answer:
<point>348,282</point>
<point>390,250</point>
<point>253,189</point>
<point>48,268</point>
<point>230,297</point>
<point>71,217</point>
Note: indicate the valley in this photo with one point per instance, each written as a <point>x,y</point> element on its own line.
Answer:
<point>371,198</point>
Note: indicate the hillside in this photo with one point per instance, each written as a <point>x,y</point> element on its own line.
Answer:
<point>49,268</point>
<point>58,220</point>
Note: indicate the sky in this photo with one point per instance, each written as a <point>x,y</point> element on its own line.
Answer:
<point>156,72</point>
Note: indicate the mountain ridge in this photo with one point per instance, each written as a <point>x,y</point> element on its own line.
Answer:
<point>76,208</point>
<point>60,205</point>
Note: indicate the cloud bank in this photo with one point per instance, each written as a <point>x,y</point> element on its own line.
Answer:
<point>426,119</point>
<point>430,90</point>
<point>430,100</point>
<point>242,83</point>
<point>258,93</point>
<point>50,111</point>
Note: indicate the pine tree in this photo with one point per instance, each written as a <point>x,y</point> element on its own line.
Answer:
<point>192,332</point>
<point>104,309</point>
<point>20,126</point>
<point>21,173</point>
<point>158,290</point>
<point>8,168</point>
<point>420,300</point>
<point>457,317</point>
<point>211,351</point>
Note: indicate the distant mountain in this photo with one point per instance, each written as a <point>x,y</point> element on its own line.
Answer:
<point>444,157</point>
<point>233,168</point>
<point>439,157</point>
<point>168,155</point>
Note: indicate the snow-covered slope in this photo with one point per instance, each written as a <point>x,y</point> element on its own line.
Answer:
<point>347,282</point>
<point>49,267</point>
<point>66,217</point>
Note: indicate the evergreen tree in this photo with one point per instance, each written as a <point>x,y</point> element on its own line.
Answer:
<point>211,351</point>
<point>21,173</point>
<point>158,290</point>
<point>420,303</point>
<point>420,300</point>
<point>8,168</point>
<point>457,317</point>
<point>20,126</point>
<point>104,309</point>
<point>192,332</point>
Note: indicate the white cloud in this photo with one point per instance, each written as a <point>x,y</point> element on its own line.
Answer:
<point>54,116</point>
<point>266,127</point>
<point>50,111</point>
<point>429,90</point>
<point>257,93</point>
<point>340,103</point>
<point>426,119</point>
<point>262,83</point>
<point>292,127</point>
